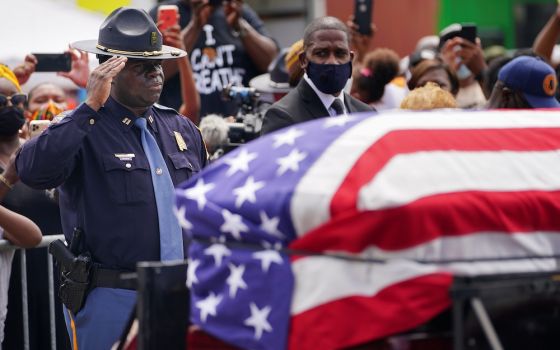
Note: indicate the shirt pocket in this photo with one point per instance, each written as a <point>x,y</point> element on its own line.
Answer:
<point>185,166</point>
<point>129,181</point>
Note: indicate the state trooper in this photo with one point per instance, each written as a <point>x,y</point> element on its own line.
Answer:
<point>115,160</point>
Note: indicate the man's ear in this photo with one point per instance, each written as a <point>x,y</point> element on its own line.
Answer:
<point>352,55</point>
<point>302,60</point>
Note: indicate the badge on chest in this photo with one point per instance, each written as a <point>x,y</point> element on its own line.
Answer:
<point>181,144</point>
<point>125,156</point>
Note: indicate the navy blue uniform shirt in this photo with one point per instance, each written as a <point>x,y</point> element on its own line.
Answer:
<point>106,188</point>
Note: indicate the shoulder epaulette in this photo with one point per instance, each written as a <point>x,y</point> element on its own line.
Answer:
<point>164,108</point>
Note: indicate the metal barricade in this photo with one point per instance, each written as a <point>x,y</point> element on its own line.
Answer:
<point>6,246</point>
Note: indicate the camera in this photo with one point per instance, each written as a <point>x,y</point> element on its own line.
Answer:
<point>222,136</point>
<point>248,121</point>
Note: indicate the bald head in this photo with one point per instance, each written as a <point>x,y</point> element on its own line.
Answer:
<point>323,23</point>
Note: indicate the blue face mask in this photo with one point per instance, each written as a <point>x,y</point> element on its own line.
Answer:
<point>329,78</point>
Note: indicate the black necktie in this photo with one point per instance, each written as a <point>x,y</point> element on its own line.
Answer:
<point>338,106</point>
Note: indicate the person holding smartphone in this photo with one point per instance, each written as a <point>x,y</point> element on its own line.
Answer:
<point>38,206</point>
<point>46,100</point>
<point>168,24</point>
<point>460,49</point>
<point>227,44</point>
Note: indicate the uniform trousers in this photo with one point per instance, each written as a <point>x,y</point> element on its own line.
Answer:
<point>100,323</point>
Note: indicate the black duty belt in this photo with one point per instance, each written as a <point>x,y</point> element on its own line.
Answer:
<point>107,278</point>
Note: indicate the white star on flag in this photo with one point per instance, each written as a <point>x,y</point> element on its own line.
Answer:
<point>290,162</point>
<point>183,222</point>
<point>258,320</point>
<point>288,137</point>
<point>235,279</point>
<point>338,121</point>
<point>267,257</point>
<point>191,272</point>
<point>208,306</point>
<point>233,224</point>
<point>218,251</point>
<point>198,193</point>
<point>270,225</point>
<point>247,191</point>
<point>239,163</point>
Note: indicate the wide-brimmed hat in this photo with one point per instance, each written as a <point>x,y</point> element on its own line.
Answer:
<point>276,80</point>
<point>129,32</point>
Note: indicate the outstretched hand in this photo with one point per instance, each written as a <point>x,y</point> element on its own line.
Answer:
<point>99,83</point>
<point>79,72</point>
<point>24,70</point>
<point>232,10</point>
<point>172,37</point>
<point>201,11</point>
<point>360,43</point>
<point>469,53</point>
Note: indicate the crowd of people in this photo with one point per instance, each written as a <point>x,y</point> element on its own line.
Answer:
<point>136,132</point>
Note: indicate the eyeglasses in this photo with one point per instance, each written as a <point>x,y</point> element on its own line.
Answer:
<point>15,98</point>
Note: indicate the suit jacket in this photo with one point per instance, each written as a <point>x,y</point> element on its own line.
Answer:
<point>302,104</point>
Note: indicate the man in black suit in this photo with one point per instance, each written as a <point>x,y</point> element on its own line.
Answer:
<point>327,61</point>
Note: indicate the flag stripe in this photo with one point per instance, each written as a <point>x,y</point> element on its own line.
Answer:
<point>322,279</point>
<point>429,218</point>
<point>413,141</point>
<point>409,177</point>
<point>355,320</point>
<point>313,196</point>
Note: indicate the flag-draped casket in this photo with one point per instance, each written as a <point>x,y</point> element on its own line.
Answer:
<point>343,230</point>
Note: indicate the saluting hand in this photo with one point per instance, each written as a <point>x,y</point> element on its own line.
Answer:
<point>99,82</point>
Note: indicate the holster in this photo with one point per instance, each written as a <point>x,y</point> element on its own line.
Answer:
<point>75,275</point>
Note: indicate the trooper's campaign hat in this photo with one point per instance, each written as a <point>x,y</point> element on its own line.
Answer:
<point>129,32</point>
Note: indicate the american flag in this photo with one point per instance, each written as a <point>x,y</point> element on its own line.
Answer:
<point>407,188</point>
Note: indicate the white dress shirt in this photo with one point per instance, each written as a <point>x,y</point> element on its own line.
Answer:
<point>326,99</point>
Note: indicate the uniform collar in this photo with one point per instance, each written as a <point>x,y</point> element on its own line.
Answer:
<point>126,118</point>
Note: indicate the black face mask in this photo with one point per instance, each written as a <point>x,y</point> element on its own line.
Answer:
<point>329,78</point>
<point>11,120</point>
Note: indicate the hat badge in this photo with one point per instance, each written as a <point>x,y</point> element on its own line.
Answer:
<point>549,84</point>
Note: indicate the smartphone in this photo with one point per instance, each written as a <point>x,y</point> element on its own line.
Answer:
<point>53,62</point>
<point>167,16</point>
<point>36,127</point>
<point>468,31</point>
<point>363,11</point>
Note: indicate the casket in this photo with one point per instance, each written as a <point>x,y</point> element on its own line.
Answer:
<point>347,230</point>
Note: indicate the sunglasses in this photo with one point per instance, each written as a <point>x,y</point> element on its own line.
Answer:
<point>15,98</point>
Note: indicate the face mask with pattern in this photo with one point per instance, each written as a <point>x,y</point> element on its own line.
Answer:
<point>47,113</point>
